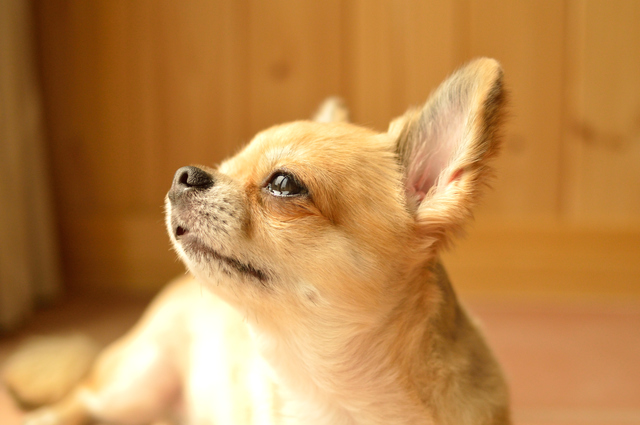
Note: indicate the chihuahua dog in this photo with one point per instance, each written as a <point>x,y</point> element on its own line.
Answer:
<point>317,295</point>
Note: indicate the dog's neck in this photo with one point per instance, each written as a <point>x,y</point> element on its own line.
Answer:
<point>367,376</point>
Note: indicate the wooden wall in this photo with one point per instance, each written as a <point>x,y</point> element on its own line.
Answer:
<point>136,89</point>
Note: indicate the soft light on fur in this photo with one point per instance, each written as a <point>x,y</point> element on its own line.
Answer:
<point>331,305</point>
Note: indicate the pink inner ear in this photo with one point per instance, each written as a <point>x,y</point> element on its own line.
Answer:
<point>439,140</point>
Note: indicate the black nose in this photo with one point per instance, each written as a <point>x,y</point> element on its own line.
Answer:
<point>189,179</point>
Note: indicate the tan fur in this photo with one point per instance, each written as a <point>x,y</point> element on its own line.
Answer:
<point>336,307</point>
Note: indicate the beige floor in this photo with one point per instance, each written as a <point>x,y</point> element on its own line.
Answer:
<point>568,363</point>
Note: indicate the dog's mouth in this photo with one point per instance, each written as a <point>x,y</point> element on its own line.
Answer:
<point>192,245</point>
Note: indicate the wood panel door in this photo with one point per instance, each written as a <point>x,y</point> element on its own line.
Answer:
<point>134,90</point>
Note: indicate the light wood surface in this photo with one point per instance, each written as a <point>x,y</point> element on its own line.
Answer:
<point>135,90</point>
<point>603,112</point>
<point>543,262</point>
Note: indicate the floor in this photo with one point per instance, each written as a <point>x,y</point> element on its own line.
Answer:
<point>568,363</point>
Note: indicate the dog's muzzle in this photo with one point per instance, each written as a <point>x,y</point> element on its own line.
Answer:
<point>189,180</point>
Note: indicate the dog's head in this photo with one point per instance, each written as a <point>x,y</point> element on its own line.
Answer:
<point>328,220</point>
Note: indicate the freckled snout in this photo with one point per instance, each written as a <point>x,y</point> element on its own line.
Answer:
<point>189,180</point>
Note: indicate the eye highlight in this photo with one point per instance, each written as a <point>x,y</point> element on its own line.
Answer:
<point>285,185</point>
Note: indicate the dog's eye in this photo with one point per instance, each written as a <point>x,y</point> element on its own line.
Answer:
<point>284,184</point>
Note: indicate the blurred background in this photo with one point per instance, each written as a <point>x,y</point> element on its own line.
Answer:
<point>101,101</point>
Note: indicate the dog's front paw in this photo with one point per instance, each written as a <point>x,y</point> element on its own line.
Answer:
<point>43,416</point>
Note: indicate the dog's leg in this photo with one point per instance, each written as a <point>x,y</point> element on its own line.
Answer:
<point>135,380</point>
<point>69,411</point>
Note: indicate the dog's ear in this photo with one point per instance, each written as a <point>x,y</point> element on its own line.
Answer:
<point>445,148</point>
<point>333,109</point>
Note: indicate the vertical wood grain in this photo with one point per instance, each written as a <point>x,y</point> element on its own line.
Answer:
<point>16,292</point>
<point>295,56</point>
<point>527,38</point>
<point>603,118</point>
<point>135,90</point>
<point>29,267</point>
<point>203,81</point>
<point>397,53</point>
